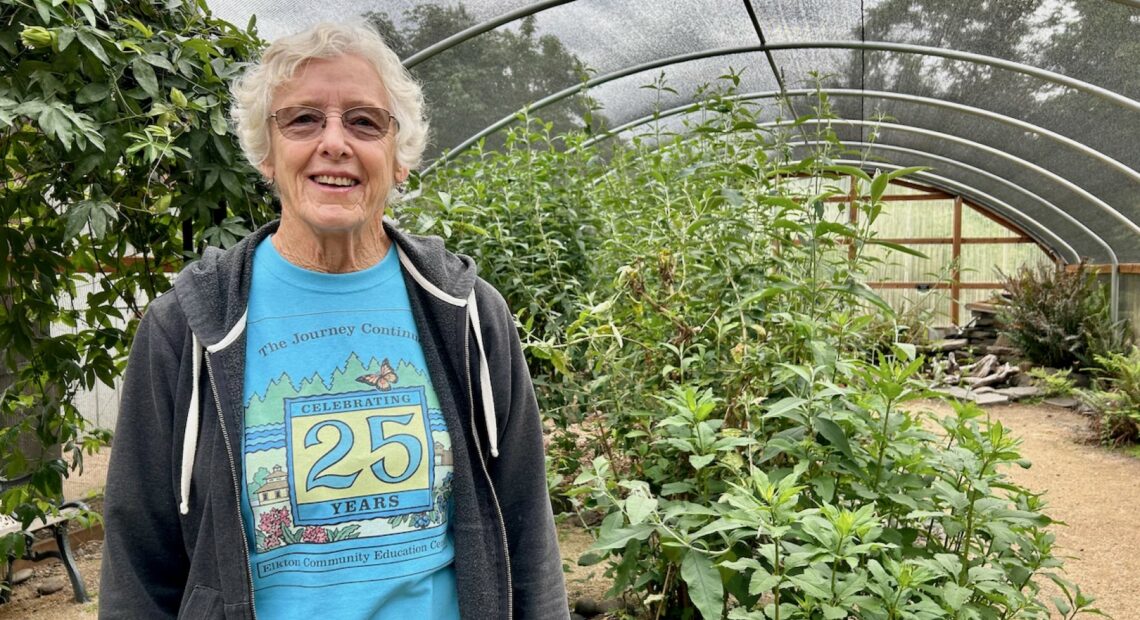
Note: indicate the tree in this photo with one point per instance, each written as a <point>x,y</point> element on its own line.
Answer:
<point>118,165</point>
<point>484,79</point>
<point>1087,39</point>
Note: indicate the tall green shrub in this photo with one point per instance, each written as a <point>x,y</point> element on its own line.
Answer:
<point>753,457</point>
<point>117,166</point>
<point>523,212</point>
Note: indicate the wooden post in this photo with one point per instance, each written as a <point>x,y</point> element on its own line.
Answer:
<point>956,256</point>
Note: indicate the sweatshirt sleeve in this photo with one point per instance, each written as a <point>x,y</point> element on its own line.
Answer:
<point>519,474</point>
<point>144,559</point>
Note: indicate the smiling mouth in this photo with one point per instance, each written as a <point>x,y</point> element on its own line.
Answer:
<point>325,179</point>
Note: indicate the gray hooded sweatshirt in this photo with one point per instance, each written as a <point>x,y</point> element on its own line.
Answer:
<point>175,544</point>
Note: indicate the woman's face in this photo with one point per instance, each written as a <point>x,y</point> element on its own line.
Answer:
<point>333,181</point>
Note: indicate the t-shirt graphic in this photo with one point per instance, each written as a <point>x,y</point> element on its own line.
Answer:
<point>346,457</point>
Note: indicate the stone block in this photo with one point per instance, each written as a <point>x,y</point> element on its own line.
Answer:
<point>1021,392</point>
<point>991,398</point>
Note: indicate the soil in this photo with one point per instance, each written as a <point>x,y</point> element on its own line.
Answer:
<point>1089,488</point>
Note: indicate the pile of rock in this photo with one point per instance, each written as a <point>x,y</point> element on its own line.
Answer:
<point>988,381</point>
<point>983,332</point>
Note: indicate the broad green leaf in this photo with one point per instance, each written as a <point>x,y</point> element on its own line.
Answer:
<point>849,170</point>
<point>43,7</point>
<point>705,587</point>
<point>77,217</point>
<point>861,290</point>
<point>638,507</point>
<point>158,60</point>
<point>784,405</point>
<point>66,37</point>
<point>699,461</point>
<point>831,612</point>
<point>908,350</point>
<point>902,172</point>
<point>834,435</point>
<point>897,247</point>
<point>811,583</point>
<point>955,596</point>
<point>95,91</point>
<point>89,13</point>
<point>143,29</point>
<point>621,536</point>
<point>145,76</point>
<point>54,122</point>
<point>741,565</point>
<point>827,228</point>
<point>879,186</point>
<point>94,45</point>
<point>762,581</point>
<point>674,488</point>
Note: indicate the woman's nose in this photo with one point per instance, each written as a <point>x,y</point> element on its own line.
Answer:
<point>334,137</point>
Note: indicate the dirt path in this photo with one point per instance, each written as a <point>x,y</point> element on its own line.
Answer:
<point>1095,491</point>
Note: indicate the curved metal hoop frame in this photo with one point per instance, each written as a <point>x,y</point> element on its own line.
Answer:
<point>883,46</point>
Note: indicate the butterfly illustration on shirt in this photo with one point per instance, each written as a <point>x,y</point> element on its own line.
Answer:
<point>382,380</point>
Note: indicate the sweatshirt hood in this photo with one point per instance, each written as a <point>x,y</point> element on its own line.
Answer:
<point>214,294</point>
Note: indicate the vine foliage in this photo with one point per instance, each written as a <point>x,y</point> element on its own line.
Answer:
<point>117,166</point>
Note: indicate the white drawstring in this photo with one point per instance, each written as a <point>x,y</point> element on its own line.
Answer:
<point>190,439</point>
<point>484,377</point>
<point>484,368</point>
<point>193,415</point>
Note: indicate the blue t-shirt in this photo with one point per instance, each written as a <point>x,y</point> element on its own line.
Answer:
<point>346,457</point>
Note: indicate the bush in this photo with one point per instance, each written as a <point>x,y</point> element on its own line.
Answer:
<point>1060,318</point>
<point>117,166</point>
<point>1116,410</point>
<point>752,455</point>
<point>1053,382</point>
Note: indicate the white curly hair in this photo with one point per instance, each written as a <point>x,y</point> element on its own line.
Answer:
<point>253,91</point>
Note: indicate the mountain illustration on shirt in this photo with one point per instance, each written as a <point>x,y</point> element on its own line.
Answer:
<point>362,453</point>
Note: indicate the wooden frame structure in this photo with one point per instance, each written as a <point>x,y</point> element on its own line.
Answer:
<point>956,240</point>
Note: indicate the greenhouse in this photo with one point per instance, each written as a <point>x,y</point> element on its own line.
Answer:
<point>803,288</point>
<point>1023,110</point>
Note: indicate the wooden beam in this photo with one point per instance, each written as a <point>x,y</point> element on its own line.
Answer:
<point>956,256</point>
<point>923,188</point>
<point>918,198</point>
<point>949,240</point>
<point>973,286</point>
<point>1125,268</point>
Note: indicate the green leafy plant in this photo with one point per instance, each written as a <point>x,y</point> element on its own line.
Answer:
<point>117,165</point>
<point>1116,409</point>
<point>1060,318</point>
<point>1053,382</point>
<point>715,390</point>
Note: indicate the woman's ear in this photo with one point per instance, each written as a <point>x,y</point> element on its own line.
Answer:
<point>402,174</point>
<point>267,170</point>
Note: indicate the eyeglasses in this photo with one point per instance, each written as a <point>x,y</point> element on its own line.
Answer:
<point>304,123</point>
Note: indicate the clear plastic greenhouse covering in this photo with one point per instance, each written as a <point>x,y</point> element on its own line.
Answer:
<point>1030,108</point>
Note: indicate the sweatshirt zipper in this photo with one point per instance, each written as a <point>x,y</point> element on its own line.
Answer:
<point>233,477</point>
<point>487,474</point>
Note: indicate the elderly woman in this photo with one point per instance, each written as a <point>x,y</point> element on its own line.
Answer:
<point>333,418</point>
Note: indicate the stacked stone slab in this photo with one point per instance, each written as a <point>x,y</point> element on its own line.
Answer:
<point>984,332</point>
